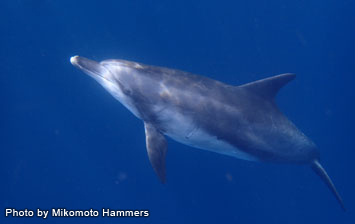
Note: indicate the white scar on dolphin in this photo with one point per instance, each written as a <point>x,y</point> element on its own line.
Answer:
<point>239,121</point>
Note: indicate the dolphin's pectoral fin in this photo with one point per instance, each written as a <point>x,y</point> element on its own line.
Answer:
<point>269,87</point>
<point>156,148</point>
<point>317,167</point>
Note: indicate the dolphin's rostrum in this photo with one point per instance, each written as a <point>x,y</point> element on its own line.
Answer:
<point>239,121</point>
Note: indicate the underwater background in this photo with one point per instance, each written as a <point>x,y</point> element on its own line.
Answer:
<point>65,142</point>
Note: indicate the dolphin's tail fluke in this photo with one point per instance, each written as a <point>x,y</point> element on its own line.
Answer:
<point>317,167</point>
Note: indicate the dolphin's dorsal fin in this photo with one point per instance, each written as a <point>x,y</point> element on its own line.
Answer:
<point>269,87</point>
<point>156,148</point>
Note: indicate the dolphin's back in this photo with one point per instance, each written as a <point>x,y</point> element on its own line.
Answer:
<point>245,117</point>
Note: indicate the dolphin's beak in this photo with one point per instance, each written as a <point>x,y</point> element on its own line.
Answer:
<point>90,67</point>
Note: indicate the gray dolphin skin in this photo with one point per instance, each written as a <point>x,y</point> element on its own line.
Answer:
<point>239,121</point>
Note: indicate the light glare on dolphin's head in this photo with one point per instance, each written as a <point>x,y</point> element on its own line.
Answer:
<point>74,59</point>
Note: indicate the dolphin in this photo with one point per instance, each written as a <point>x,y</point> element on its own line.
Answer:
<point>239,121</point>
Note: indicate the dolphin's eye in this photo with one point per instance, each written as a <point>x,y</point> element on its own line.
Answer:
<point>126,91</point>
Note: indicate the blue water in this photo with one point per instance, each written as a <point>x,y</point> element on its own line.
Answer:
<point>66,143</point>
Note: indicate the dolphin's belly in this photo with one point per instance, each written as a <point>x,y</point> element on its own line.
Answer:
<point>183,129</point>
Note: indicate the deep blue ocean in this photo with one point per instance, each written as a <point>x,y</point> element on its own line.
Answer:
<point>65,142</point>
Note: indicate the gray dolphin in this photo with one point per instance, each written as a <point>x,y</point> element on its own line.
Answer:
<point>239,121</point>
